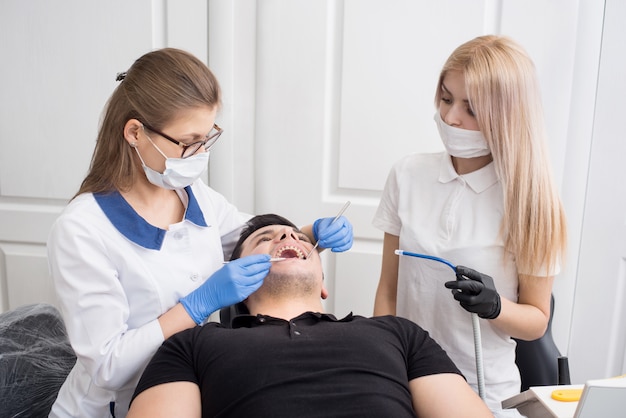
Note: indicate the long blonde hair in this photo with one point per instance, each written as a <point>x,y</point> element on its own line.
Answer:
<point>503,91</point>
<point>158,86</point>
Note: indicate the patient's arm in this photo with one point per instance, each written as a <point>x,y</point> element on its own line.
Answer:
<point>446,395</point>
<point>176,399</point>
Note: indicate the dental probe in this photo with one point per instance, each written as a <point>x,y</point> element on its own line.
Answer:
<point>341,211</point>
<point>273,259</point>
<point>478,349</point>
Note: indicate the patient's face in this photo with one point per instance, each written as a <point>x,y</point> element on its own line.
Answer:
<point>285,242</point>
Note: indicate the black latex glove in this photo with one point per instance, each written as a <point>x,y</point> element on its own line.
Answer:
<point>476,292</point>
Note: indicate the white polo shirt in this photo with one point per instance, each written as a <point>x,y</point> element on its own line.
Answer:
<point>115,274</point>
<point>437,212</point>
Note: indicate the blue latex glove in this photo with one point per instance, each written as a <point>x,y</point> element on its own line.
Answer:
<point>229,285</point>
<point>476,292</point>
<point>335,235</point>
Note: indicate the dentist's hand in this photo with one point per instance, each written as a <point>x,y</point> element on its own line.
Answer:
<point>335,235</point>
<point>229,285</point>
<point>476,292</point>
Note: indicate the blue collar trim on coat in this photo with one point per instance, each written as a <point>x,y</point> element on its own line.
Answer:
<point>134,227</point>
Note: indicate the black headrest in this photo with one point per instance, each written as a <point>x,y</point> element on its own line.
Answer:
<point>228,313</point>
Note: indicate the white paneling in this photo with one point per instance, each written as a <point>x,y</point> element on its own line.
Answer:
<point>576,159</point>
<point>389,72</point>
<point>358,273</point>
<point>616,338</point>
<point>598,321</point>
<point>63,62</point>
<point>186,27</point>
<point>27,275</point>
<point>550,44</point>
<point>24,220</point>
<point>232,46</point>
<point>4,292</point>
<point>298,68</point>
<point>290,112</point>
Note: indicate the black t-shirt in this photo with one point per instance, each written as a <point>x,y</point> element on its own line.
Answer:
<point>310,366</point>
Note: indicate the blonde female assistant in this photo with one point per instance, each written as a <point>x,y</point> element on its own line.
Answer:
<point>489,202</point>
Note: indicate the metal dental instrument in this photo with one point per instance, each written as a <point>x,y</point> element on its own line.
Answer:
<point>478,348</point>
<point>341,211</point>
<point>271,260</point>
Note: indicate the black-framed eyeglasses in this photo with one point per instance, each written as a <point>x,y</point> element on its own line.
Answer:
<point>190,149</point>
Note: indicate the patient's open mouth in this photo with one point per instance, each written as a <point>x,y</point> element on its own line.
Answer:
<point>289,251</point>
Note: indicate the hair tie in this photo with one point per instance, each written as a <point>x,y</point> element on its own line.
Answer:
<point>120,76</point>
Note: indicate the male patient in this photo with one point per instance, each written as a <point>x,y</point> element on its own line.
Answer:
<point>287,359</point>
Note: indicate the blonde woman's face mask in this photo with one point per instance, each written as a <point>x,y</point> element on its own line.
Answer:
<point>461,143</point>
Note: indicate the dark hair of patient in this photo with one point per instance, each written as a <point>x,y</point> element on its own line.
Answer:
<point>256,223</point>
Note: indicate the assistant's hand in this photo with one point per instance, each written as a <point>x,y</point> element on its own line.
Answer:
<point>229,285</point>
<point>478,294</point>
<point>335,235</point>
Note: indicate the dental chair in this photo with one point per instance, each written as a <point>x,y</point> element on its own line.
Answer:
<point>540,362</point>
<point>35,359</point>
<point>228,313</point>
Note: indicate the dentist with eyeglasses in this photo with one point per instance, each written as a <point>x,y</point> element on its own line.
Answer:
<point>138,254</point>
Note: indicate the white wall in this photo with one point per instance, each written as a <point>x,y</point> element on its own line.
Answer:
<point>598,335</point>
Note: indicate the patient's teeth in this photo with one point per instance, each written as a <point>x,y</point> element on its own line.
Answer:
<point>296,250</point>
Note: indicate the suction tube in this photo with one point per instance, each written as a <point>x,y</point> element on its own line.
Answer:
<point>478,350</point>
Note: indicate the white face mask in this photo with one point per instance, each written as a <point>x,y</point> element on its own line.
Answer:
<point>461,143</point>
<point>179,172</point>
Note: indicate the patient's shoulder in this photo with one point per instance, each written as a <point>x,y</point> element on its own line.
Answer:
<point>396,321</point>
<point>394,324</point>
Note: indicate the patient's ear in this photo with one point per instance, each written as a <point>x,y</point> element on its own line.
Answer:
<point>324,292</point>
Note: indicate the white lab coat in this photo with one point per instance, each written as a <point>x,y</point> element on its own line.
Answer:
<point>115,274</point>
